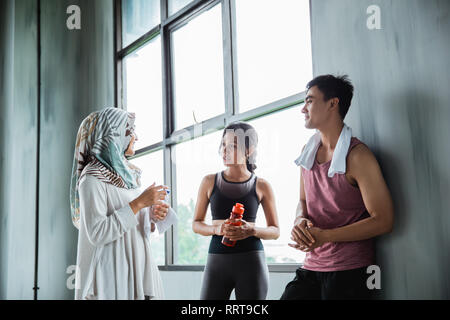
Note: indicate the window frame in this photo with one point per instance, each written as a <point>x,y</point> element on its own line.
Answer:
<point>167,25</point>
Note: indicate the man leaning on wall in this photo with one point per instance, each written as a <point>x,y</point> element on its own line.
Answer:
<point>344,200</point>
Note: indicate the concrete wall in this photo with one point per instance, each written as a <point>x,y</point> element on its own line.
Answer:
<point>6,101</point>
<point>401,110</point>
<point>77,77</point>
<point>18,103</point>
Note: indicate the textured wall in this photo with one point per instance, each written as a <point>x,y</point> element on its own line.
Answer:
<point>401,109</point>
<point>77,78</point>
<point>6,101</point>
<point>18,153</point>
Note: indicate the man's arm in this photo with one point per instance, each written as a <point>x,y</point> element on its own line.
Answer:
<point>300,232</point>
<point>365,170</point>
<point>301,211</point>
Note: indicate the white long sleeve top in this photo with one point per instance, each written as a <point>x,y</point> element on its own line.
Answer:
<point>114,258</point>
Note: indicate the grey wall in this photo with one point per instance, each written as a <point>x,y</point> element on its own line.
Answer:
<point>401,110</point>
<point>77,77</point>
<point>18,123</point>
<point>6,100</point>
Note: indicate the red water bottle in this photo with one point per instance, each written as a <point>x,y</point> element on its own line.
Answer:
<point>236,213</point>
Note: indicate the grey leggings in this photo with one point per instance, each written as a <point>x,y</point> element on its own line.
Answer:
<point>245,272</point>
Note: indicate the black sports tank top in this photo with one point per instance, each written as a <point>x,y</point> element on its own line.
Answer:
<point>223,197</point>
<point>225,194</point>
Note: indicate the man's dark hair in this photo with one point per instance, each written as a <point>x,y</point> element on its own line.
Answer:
<point>331,87</point>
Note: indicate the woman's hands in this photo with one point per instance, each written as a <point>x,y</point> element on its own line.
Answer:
<point>159,211</point>
<point>219,229</point>
<point>151,196</point>
<point>240,232</point>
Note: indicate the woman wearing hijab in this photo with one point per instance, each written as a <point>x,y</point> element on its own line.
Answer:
<point>113,217</point>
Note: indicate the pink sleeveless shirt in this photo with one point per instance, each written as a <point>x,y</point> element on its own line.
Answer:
<point>333,203</point>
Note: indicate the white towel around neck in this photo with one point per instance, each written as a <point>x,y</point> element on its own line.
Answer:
<point>338,162</point>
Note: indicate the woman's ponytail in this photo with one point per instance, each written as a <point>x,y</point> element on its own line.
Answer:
<point>250,162</point>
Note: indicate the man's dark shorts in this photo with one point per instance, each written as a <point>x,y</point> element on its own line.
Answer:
<point>316,285</point>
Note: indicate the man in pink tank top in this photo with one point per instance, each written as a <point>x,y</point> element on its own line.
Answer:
<point>337,217</point>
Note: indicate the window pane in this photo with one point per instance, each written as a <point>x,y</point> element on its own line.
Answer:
<point>194,160</point>
<point>273,50</point>
<point>198,69</point>
<point>152,166</point>
<point>143,92</point>
<point>175,5</point>
<point>138,17</point>
<point>281,137</point>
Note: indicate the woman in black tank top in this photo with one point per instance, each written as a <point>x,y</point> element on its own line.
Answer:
<point>241,267</point>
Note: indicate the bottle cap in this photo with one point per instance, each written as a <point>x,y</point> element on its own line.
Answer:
<point>238,208</point>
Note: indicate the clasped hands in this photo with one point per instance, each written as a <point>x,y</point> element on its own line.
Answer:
<point>306,236</point>
<point>159,211</point>
<point>235,232</point>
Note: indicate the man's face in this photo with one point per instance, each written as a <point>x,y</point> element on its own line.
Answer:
<point>316,110</point>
